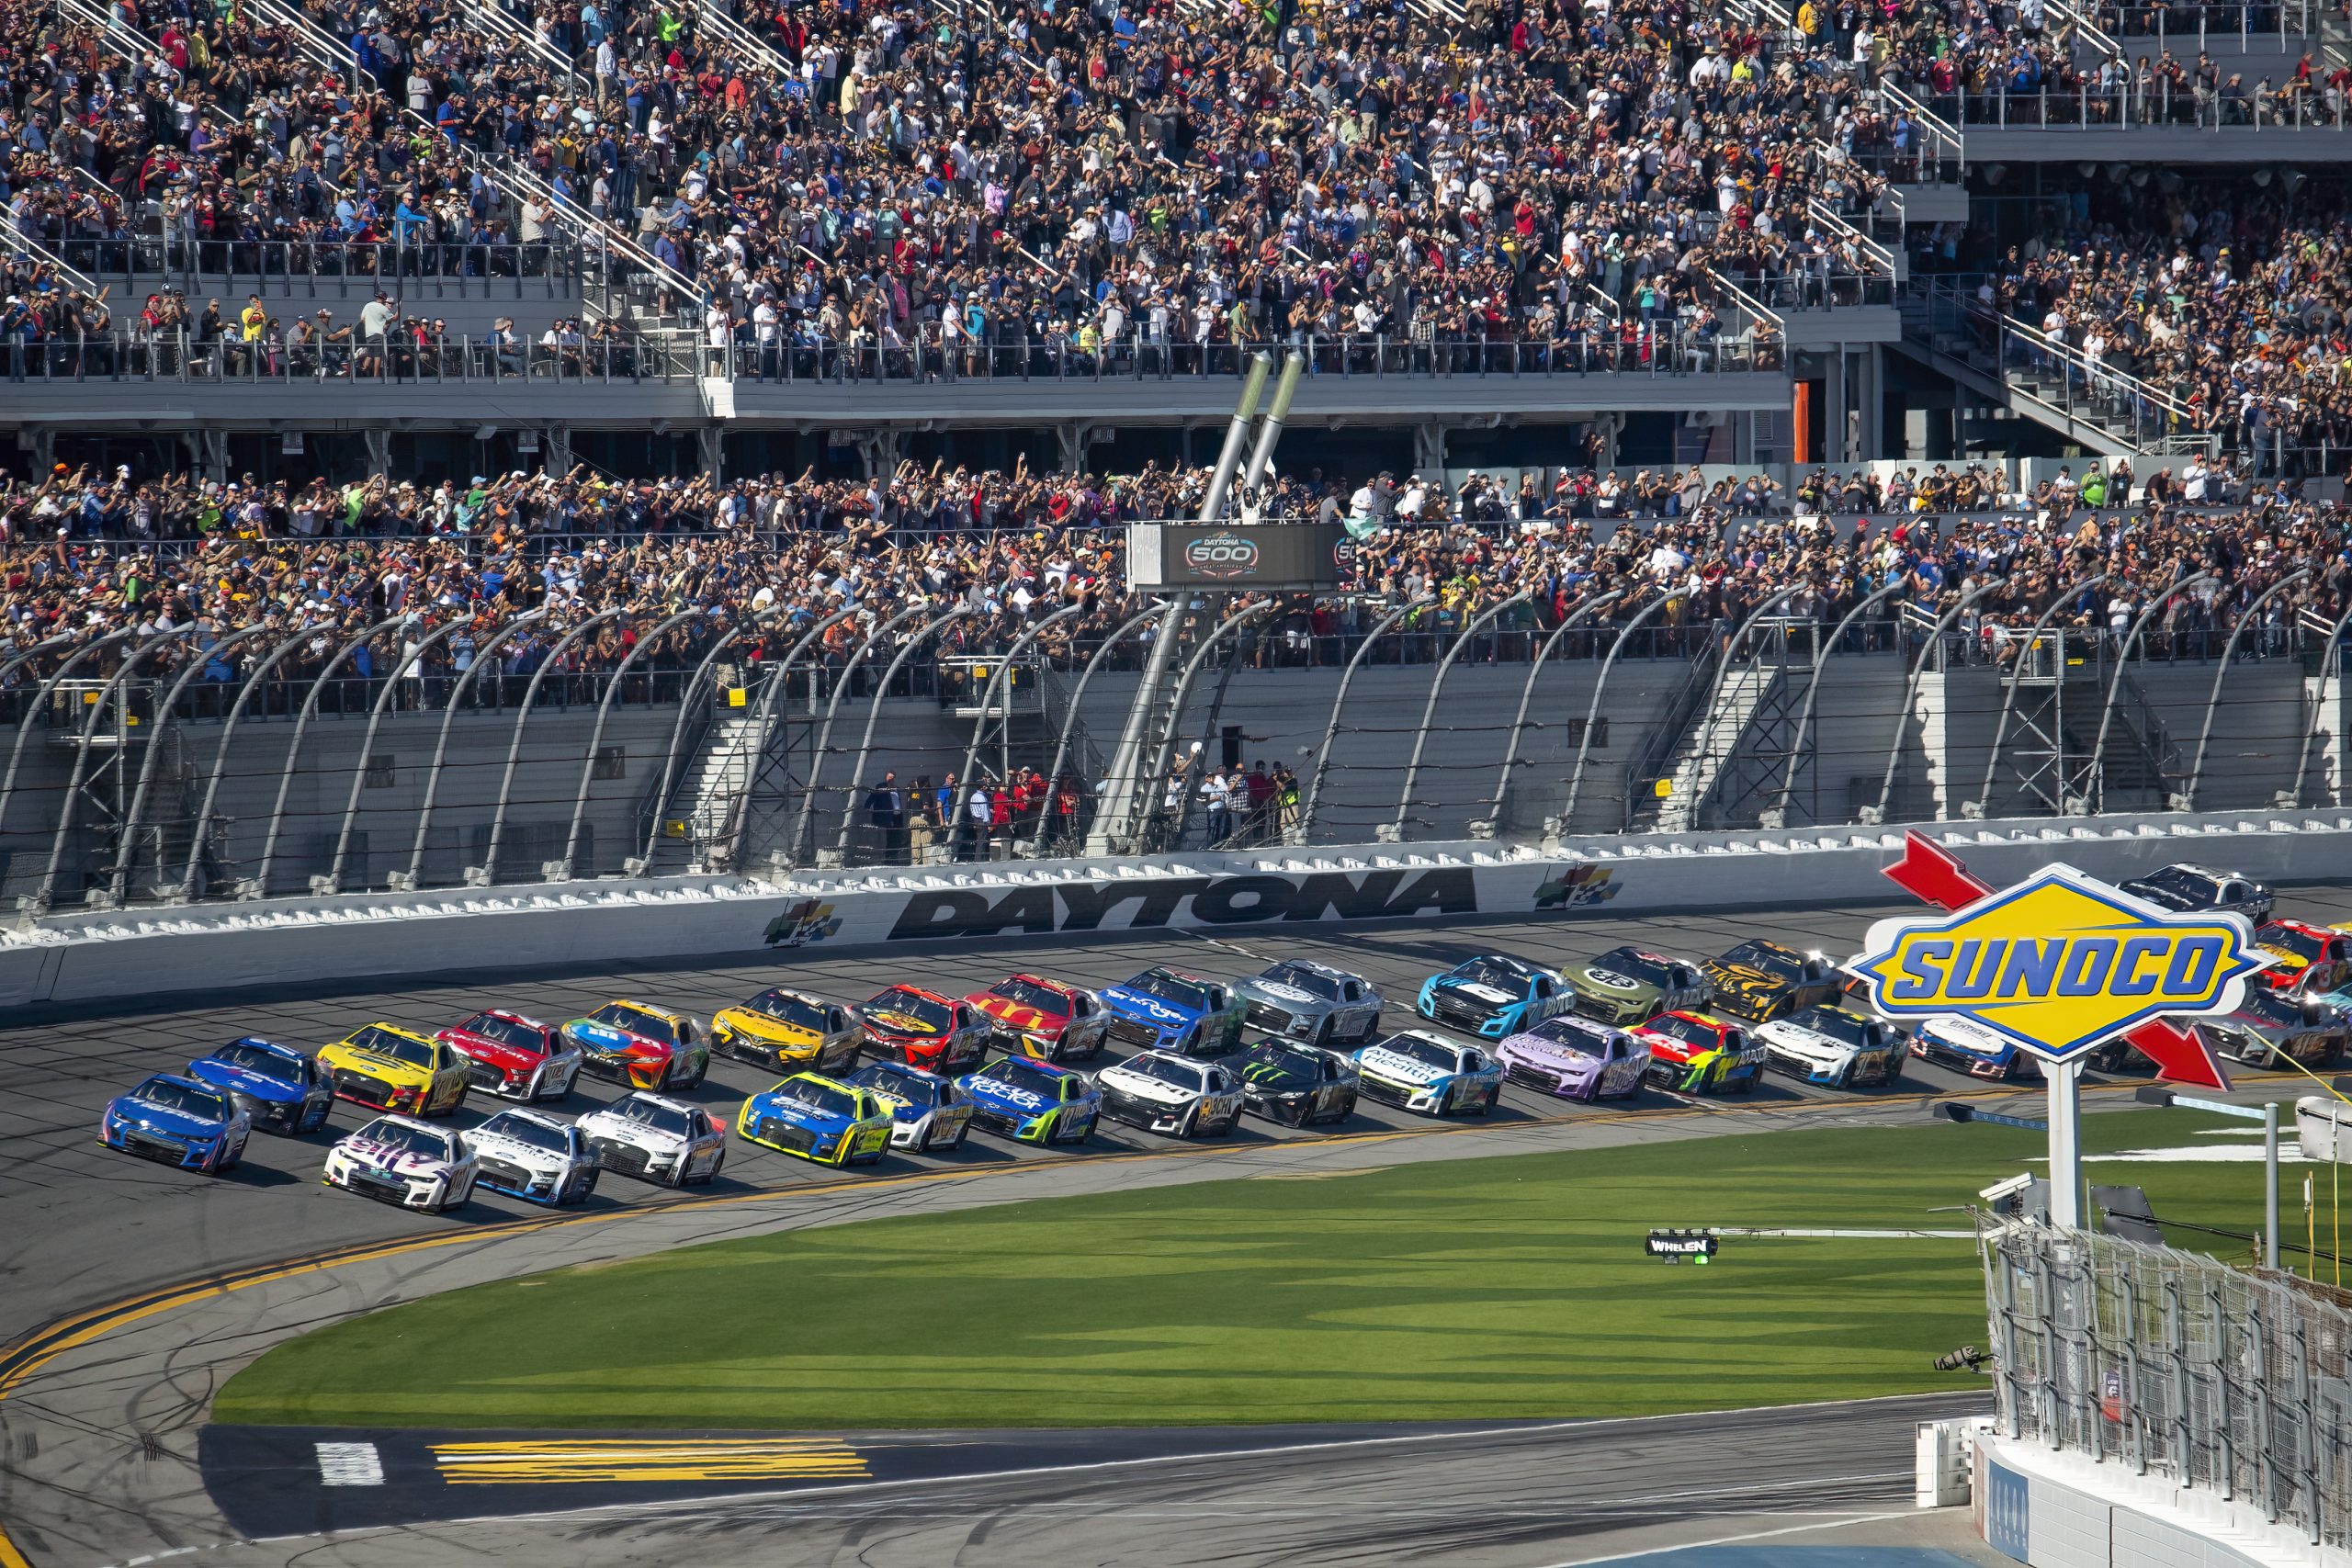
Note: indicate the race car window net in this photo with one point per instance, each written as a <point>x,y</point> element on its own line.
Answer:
<point>1178,1073</point>
<point>1307,980</point>
<point>501,1031</point>
<point>523,1130</point>
<point>636,1022</point>
<point>786,1007</point>
<point>406,1140</point>
<point>1030,993</point>
<point>1635,965</point>
<point>253,1058</point>
<point>1168,988</point>
<point>164,1095</point>
<point>399,1047</point>
<point>929,1016</point>
<point>661,1118</point>
<point>818,1097</point>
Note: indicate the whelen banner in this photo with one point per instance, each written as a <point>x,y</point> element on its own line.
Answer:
<point>1238,557</point>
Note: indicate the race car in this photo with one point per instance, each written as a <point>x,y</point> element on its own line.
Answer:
<point>389,1068</point>
<point>1294,1085</point>
<point>926,1113</point>
<point>1493,994</point>
<point>531,1156</point>
<point>1759,980</point>
<point>1701,1053</point>
<point>400,1160</point>
<point>817,1119</point>
<point>178,1121</point>
<point>2311,960</point>
<point>1627,986</point>
<point>1974,1049</point>
<point>1420,1072</point>
<point>1168,1009</point>
<point>2196,888</point>
<point>1830,1045</point>
<point>789,1031</point>
<point>639,1046</point>
<point>923,1029</point>
<point>1032,1102</point>
<point>514,1057</point>
<point>1574,1058</point>
<point>1299,1000</point>
<point>657,1139</point>
<point>1160,1092</point>
<point>1042,1018</point>
<point>2271,1023</point>
<point>280,1088</point>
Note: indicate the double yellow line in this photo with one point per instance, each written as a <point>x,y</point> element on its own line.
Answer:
<point>570,1460</point>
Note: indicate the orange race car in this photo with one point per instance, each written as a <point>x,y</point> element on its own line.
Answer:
<point>1044,1020</point>
<point>2310,959</point>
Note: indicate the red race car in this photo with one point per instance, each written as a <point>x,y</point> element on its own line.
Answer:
<point>512,1056</point>
<point>924,1029</point>
<point>1044,1020</point>
<point>2312,960</point>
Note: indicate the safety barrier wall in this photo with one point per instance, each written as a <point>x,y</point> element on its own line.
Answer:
<point>2058,1509</point>
<point>390,937</point>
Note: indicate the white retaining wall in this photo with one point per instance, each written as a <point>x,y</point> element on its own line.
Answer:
<point>2066,1510</point>
<point>84,956</point>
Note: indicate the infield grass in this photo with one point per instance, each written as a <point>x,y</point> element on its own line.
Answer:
<point>1483,1289</point>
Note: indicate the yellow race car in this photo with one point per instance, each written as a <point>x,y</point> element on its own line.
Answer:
<point>817,1119</point>
<point>789,1031</point>
<point>389,1068</point>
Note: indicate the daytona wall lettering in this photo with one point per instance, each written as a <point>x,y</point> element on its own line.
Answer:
<point>1211,900</point>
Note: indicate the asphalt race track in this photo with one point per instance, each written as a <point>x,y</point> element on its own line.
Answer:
<point>129,1292</point>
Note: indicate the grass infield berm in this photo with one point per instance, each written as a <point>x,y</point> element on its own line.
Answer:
<point>1485,1288</point>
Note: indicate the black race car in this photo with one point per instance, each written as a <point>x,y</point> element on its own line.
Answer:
<point>1295,1085</point>
<point>2196,888</point>
<point>1763,980</point>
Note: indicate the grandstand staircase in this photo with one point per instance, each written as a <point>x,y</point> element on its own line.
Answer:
<point>1698,761</point>
<point>1131,792</point>
<point>728,793</point>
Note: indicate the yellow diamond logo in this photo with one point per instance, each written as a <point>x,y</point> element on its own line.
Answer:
<point>2059,962</point>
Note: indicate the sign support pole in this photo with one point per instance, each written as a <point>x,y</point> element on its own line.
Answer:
<point>2270,1187</point>
<point>2065,1142</point>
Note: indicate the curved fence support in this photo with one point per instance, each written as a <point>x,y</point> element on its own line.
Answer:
<point>1812,688</point>
<point>825,734</point>
<point>448,716</point>
<point>1944,623</point>
<point>167,713</point>
<point>489,867</point>
<point>294,747</point>
<point>2213,697</point>
<point>1429,708</point>
<point>997,677</point>
<point>2115,682</point>
<point>596,735</point>
<point>82,763</point>
<point>1155,609</point>
<point>1338,699</point>
<point>2330,656</point>
<point>245,689</point>
<point>1723,673</point>
<point>740,811</point>
<point>40,700</point>
<point>873,713</point>
<point>1600,686</point>
<point>2017,669</point>
<point>367,742</point>
<point>1164,758</point>
<point>1527,695</point>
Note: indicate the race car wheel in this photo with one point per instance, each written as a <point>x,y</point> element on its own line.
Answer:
<point>1192,1124</point>
<point>537,1089</point>
<point>958,1141</point>
<point>1486,1106</point>
<point>708,1177</point>
<point>702,1071</point>
<point>1323,1034</point>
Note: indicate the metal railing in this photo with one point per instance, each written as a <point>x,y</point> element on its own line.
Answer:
<point>2065,381</point>
<point>315,269</point>
<point>2174,1364</point>
<point>231,360</point>
<point>2145,102</point>
<point>2244,27</point>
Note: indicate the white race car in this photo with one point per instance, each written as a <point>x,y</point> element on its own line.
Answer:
<point>396,1160</point>
<point>532,1155</point>
<point>925,1111</point>
<point>657,1139</point>
<point>1161,1092</point>
<point>1830,1045</point>
<point>1419,1071</point>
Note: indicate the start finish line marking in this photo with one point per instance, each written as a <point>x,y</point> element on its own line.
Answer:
<point>350,1464</point>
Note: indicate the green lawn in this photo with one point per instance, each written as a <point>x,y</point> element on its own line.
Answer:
<point>1474,1288</point>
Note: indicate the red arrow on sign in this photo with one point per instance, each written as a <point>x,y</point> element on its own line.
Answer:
<point>1930,873</point>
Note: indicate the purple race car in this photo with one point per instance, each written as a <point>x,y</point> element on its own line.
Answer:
<point>1574,1058</point>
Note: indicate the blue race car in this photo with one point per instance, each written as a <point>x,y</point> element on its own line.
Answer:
<point>282,1089</point>
<point>1032,1102</point>
<point>176,1121</point>
<point>1493,996</point>
<point>819,1119</point>
<point>1979,1053</point>
<point>1167,1010</point>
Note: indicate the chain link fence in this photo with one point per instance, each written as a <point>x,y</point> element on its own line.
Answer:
<point>2175,1365</point>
